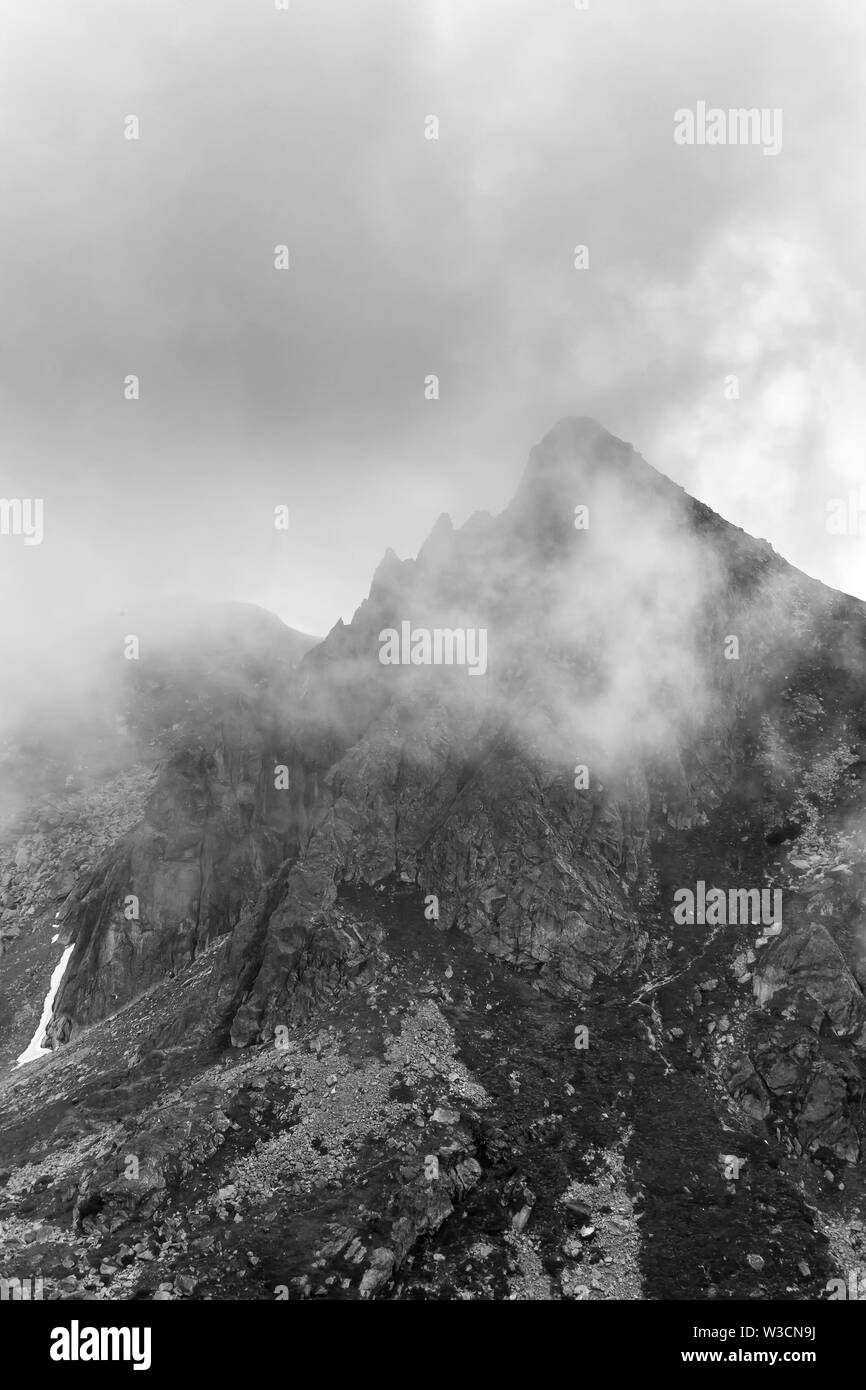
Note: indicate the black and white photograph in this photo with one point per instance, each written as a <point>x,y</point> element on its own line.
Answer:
<point>432,672</point>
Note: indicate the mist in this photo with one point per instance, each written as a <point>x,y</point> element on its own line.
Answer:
<point>258,388</point>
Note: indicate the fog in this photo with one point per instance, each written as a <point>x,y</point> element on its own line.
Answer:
<point>408,257</point>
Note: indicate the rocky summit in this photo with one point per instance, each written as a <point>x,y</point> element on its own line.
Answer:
<point>385,983</point>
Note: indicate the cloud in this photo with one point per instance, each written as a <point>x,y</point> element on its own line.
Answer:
<point>408,257</point>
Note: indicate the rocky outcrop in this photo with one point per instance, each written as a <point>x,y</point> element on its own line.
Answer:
<point>214,829</point>
<point>804,1067</point>
<point>806,964</point>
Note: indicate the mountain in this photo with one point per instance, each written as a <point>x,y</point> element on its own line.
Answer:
<point>562,935</point>
<point>78,771</point>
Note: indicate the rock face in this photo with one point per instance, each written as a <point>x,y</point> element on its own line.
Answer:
<point>664,702</point>
<point>214,829</point>
<point>146,820</point>
<point>470,793</point>
<point>610,599</point>
<point>809,966</point>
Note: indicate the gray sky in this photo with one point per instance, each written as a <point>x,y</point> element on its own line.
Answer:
<point>411,256</point>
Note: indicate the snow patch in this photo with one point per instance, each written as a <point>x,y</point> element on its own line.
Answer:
<point>34,1048</point>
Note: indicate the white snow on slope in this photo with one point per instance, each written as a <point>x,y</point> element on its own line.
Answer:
<point>33,1049</point>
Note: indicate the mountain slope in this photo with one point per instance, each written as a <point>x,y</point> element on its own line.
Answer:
<point>665,703</point>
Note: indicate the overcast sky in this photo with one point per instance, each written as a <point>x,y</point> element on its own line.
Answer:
<point>408,257</point>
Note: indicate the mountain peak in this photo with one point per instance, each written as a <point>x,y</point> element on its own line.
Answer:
<point>439,540</point>
<point>572,428</point>
<point>388,566</point>
<point>578,439</point>
<point>570,464</point>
